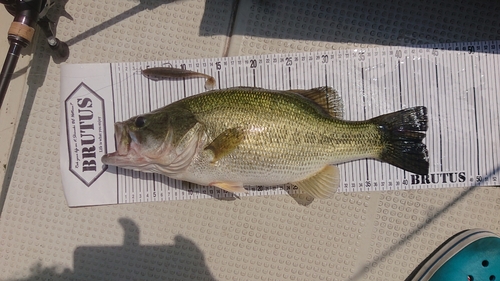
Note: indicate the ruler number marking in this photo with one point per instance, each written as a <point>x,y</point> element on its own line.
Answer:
<point>361,56</point>
<point>253,63</point>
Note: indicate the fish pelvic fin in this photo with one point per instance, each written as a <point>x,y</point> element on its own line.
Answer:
<point>233,187</point>
<point>322,185</point>
<point>225,143</point>
<point>402,133</point>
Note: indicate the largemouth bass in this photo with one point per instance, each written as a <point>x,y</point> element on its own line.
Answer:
<point>250,136</point>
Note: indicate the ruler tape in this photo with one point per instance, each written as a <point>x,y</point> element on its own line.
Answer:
<point>457,82</point>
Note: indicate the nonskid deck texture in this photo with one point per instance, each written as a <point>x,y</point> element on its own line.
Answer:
<point>380,235</point>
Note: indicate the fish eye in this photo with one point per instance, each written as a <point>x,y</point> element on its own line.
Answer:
<point>140,122</point>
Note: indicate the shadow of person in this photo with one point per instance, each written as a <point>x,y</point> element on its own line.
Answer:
<point>131,261</point>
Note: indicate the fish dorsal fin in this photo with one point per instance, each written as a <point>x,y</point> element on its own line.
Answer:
<point>322,185</point>
<point>225,143</point>
<point>326,97</point>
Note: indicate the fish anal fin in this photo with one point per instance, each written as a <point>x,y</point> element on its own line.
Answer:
<point>225,143</point>
<point>326,97</point>
<point>233,187</point>
<point>322,185</point>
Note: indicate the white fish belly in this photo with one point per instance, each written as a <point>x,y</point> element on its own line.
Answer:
<point>268,167</point>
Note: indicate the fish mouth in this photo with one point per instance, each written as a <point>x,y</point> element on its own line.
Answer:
<point>122,138</point>
<point>129,152</point>
<point>123,141</point>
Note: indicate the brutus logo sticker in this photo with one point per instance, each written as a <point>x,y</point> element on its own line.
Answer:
<point>438,178</point>
<point>85,125</point>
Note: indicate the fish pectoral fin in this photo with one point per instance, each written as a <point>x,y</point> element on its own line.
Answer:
<point>233,187</point>
<point>326,97</point>
<point>322,185</point>
<point>225,143</point>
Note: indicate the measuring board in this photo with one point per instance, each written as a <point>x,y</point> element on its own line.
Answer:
<point>458,83</point>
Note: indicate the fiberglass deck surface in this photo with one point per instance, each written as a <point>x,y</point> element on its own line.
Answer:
<point>353,236</point>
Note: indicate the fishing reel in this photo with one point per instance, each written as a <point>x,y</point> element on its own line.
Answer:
<point>27,14</point>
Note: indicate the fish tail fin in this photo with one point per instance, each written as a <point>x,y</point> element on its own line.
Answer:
<point>402,133</point>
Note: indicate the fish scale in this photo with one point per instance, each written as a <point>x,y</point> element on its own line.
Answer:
<point>312,130</point>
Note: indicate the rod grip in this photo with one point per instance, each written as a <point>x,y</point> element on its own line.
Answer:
<point>21,30</point>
